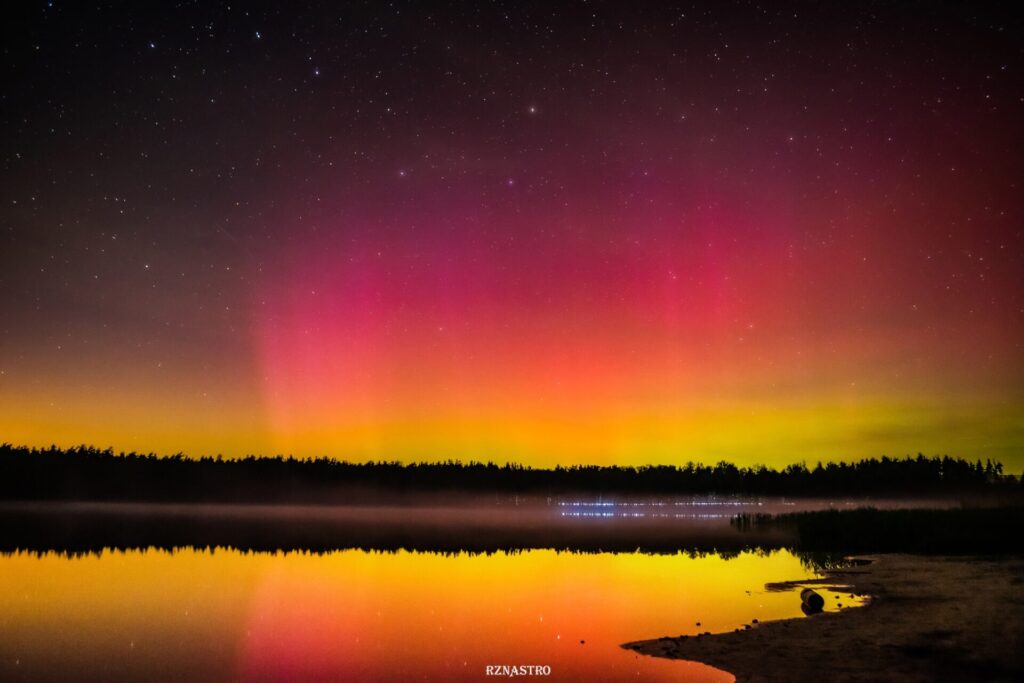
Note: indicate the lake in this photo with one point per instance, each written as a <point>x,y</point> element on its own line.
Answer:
<point>226,615</point>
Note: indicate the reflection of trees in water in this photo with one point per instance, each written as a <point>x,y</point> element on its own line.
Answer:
<point>691,554</point>
<point>822,540</point>
<point>93,527</point>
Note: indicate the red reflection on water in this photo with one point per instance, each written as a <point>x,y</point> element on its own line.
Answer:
<point>355,615</point>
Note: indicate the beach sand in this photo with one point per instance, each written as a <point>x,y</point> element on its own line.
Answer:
<point>927,619</point>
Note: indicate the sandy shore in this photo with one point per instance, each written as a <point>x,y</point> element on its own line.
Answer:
<point>928,619</point>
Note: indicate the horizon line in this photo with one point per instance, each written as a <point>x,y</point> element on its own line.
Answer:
<point>5,445</point>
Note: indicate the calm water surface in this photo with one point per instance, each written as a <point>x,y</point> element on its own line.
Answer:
<point>354,615</point>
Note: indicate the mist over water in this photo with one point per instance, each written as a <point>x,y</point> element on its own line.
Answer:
<point>469,524</point>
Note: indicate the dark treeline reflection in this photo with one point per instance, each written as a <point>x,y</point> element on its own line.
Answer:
<point>86,473</point>
<point>78,527</point>
<point>811,560</point>
<point>91,527</point>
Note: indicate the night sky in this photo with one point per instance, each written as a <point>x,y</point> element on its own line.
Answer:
<point>550,232</point>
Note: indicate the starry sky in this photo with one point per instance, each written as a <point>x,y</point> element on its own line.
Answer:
<point>549,233</point>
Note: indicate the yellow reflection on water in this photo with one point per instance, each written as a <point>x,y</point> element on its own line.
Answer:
<point>355,615</point>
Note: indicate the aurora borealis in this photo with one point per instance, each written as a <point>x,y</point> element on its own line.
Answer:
<point>549,233</point>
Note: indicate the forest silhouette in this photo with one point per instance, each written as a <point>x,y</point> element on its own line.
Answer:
<point>86,473</point>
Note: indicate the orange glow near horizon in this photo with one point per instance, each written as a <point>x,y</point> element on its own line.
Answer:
<point>736,339</point>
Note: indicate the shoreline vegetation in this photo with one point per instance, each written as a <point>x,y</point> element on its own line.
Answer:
<point>928,618</point>
<point>86,473</point>
<point>87,500</point>
<point>965,530</point>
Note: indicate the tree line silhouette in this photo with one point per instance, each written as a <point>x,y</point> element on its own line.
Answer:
<point>88,473</point>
